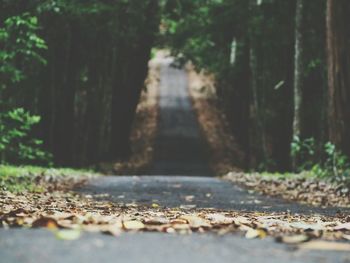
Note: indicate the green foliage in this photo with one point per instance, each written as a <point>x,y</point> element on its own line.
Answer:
<point>94,51</point>
<point>16,142</point>
<point>304,150</point>
<point>25,178</point>
<point>20,54</point>
<point>20,48</point>
<point>334,164</point>
<point>249,46</point>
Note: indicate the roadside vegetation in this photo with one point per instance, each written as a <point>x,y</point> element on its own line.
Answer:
<point>68,99</point>
<point>22,179</point>
<point>279,88</point>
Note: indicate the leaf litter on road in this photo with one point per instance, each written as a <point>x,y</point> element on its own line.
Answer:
<point>312,191</point>
<point>67,215</point>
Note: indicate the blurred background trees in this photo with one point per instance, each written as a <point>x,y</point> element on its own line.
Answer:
<point>80,65</point>
<point>284,89</point>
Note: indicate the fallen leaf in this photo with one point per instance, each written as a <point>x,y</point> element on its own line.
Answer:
<point>239,220</point>
<point>45,222</point>
<point>133,225</point>
<point>345,226</point>
<point>347,237</point>
<point>325,245</point>
<point>180,227</point>
<point>255,233</point>
<point>156,221</point>
<point>154,205</point>
<point>178,221</point>
<point>219,219</point>
<point>68,234</point>
<point>195,221</point>
<point>295,239</point>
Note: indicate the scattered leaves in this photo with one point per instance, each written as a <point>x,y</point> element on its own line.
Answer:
<point>67,214</point>
<point>310,191</point>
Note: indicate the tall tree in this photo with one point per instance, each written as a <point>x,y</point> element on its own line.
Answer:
<point>129,83</point>
<point>338,55</point>
<point>298,72</point>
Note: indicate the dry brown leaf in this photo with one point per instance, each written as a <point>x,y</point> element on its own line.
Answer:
<point>179,221</point>
<point>45,222</point>
<point>66,210</point>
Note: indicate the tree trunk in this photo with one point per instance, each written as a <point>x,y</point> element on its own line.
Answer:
<point>127,90</point>
<point>298,74</point>
<point>259,135</point>
<point>338,56</point>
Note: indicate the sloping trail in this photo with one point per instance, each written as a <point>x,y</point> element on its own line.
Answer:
<point>180,171</point>
<point>181,166</point>
<point>179,148</point>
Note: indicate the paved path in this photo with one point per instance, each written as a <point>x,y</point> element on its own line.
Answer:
<point>207,192</point>
<point>179,148</point>
<point>39,246</point>
<point>179,151</point>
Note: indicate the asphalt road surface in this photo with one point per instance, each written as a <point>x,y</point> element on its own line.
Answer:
<point>179,148</point>
<point>180,170</point>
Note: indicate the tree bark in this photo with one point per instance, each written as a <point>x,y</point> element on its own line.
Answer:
<point>298,74</point>
<point>338,57</point>
<point>127,90</point>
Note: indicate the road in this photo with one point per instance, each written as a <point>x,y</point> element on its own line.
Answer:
<point>180,169</point>
<point>179,148</point>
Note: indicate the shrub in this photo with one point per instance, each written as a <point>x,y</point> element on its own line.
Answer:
<point>334,164</point>
<point>16,142</point>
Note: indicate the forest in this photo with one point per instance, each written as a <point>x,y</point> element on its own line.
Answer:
<point>185,130</point>
<point>72,72</point>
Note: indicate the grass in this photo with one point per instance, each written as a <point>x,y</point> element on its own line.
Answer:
<point>302,175</point>
<point>24,178</point>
